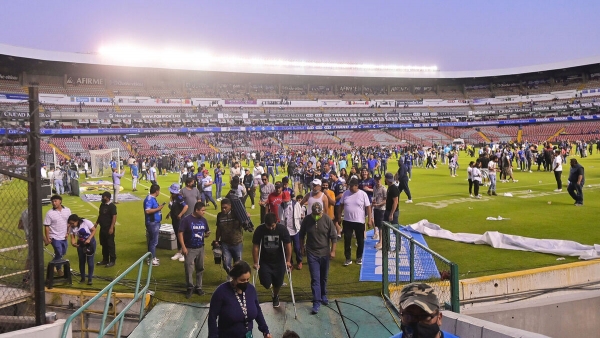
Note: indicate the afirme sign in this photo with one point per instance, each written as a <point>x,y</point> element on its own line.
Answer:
<point>9,77</point>
<point>85,81</point>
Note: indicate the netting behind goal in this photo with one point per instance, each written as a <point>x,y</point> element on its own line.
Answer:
<point>100,161</point>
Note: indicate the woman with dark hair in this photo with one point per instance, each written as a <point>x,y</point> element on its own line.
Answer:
<point>82,237</point>
<point>236,306</point>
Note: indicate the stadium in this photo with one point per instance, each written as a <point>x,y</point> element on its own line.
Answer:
<point>95,109</point>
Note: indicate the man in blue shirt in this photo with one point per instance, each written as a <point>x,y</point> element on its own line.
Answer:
<point>134,175</point>
<point>153,216</point>
<point>116,177</point>
<point>219,181</point>
<point>372,164</point>
<point>193,229</point>
<point>420,313</point>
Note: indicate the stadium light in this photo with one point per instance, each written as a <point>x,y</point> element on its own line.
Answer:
<point>134,55</point>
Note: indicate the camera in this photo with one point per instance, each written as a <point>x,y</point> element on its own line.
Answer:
<point>248,226</point>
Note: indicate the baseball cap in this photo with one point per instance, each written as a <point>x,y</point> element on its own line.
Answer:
<point>106,194</point>
<point>174,188</point>
<point>378,177</point>
<point>421,295</point>
<point>389,176</point>
<point>317,208</point>
<point>316,181</point>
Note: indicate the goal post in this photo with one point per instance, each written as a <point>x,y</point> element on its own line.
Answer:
<point>100,161</point>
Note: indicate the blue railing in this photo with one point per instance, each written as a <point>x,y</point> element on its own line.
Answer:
<point>108,291</point>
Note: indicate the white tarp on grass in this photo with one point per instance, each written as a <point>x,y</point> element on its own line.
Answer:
<point>511,242</point>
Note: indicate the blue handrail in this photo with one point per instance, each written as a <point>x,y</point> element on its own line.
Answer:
<point>108,290</point>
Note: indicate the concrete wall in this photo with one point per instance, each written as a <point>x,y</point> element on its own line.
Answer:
<point>569,315</point>
<point>53,330</point>
<point>470,327</point>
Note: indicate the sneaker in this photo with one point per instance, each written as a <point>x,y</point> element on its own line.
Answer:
<point>494,193</point>
<point>276,301</point>
<point>489,193</point>
<point>155,262</point>
<point>189,293</point>
<point>515,181</point>
<point>557,190</point>
<point>102,263</point>
<point>253,206</point>
<point>347,262</point>
<point>359,261</point>
<point>315,308</point>
<point>111,264</point>
<point>471,195</point>
<point>376,236</point>
<point>82,280</point>
<point>90,282</point>
<point>182,258</point>
<point>199,292</point>
<point>324,300</point>
<point>478,197</point>
<point>408,201</point>
<point>578,204</point>
<point>176,256</point>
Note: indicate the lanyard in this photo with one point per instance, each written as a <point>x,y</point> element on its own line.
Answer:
<point>242,303</point>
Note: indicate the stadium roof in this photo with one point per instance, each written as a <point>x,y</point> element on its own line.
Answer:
<point>190,64</point>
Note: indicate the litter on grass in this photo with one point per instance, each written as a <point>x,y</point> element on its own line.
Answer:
<point>507,194</point>
<point>499,218</point>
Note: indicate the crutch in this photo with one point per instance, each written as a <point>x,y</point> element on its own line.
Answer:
<point>289,274</point>
<point>256,271</point>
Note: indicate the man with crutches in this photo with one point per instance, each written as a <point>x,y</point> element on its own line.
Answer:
<point>321,238</point>
<point>270,259</point>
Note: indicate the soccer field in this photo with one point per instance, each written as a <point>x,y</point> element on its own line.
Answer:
<point>437,197</point>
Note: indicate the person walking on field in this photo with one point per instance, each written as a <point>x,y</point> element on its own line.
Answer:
<point>576,182</point>
<point>107,218</point>
<point>178,208</point>
<point>356,207</point>
<point>192,232</point>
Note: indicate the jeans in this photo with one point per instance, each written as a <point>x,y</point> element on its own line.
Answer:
<point>60,188</point>
<point>86,259</point>
<point>194,260</point>
<point>557,175</point>
<point>296,247</point>
<point>386,216</point>
<point>219,185</point>
<point>152,229</point>
<point>231,254</point>
<point>319,270</point>
<point>60,249</point>
<point>492,182</point>
<point>359,230</point>
<point>576,192</point>
<point>208,197</point>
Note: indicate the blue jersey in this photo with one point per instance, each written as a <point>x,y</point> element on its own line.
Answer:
<point>218,175</point>
<point>134,170</point>
<point>194,230</point>
<point>150,202</point>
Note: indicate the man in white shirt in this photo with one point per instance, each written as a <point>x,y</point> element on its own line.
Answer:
<point>55,229</point>
<point>356,208</point>
<point>557,169</point>
<point>207,184</point>
<point>44,172</point>
<point>152,174</point>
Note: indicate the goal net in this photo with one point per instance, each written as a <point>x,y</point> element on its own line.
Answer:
<point>100,161</point>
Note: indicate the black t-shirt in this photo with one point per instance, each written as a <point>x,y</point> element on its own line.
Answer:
<point>106,213</point>
<point>271,252</point>
<point>393,191</point>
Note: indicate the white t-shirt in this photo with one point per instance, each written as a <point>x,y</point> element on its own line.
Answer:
<point>207,179</point>
<point>56,221</point>
<point>86,224</point>
<point>557,163</point>
<point>492,167</point>
<point>152,174</point>
<point>476,174</point>
<point>470,173</point>
<point>354,206</point>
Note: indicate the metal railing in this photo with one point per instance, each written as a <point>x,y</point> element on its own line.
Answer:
<point>414,262</point>
<point>108,291</point>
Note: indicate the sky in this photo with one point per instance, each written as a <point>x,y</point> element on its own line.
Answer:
<point>452,35</point>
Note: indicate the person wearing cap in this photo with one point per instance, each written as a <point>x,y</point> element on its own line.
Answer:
<point>420,313</point>
<point>56,229</point>
<point>379,198</point>
<point>178,207</point>
<point>315,195</point>
<point>356,207</point>
<point>268,256</point>
<point>265,188</point>
<point>318,239</point>
<point>82,237</point>
<point>107,218</point>
<point>289,215</point>
<point>274,200</point>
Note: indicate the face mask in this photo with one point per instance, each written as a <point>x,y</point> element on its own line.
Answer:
<point>419,330</point>
<point>242,286</point>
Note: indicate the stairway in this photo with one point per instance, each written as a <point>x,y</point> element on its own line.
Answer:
<point>485,138</point>
<point>560,131</point>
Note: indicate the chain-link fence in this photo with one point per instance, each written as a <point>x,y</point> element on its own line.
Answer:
<point>411,261</point>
